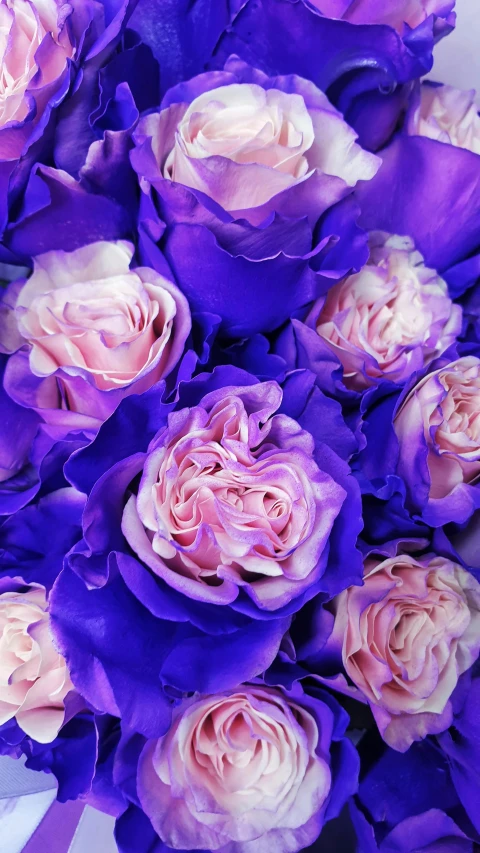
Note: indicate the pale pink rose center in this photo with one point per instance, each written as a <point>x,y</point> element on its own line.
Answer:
<point>256,510</point>
<point>448,115</point>
<point>33,676</point>
<point>249,752</point>
<point>23,26</point>
<point>407,649</point>
<point>393,307</point>
<point>245,124</point>
<point>113,328</point>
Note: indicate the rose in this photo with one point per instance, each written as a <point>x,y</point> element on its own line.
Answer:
<point>447,114</point>
<point>42,717</point>
<point>242,145</point>
<point>34,37</point>
<point>408,634</point>
<point>37,43</point>
<point>258,516</point>
<point>96,330</point>
<point>230,157</point>
<point>391,13</point>
<point>438,429</point>
<point>43,44</point>
<point>230,498</point>
<point>390,319</point>
<point>34,680</point>
<point>244,769</point>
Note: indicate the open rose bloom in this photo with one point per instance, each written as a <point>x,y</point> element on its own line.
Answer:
<point>408,634</point>
<point>92,330</point>
<point>38,43</point>
<point>243,145</point>
<point>252,769</point>
<point>230,498</point>
<point>34,49</point>
<point>33,676</point>
<point>438,430</point>
<point>446,114</point>
<point>390,319</point>
<point>231,157</point>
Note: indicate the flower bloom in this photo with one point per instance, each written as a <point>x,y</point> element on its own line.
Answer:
<point>243,770</point>
<point>93,323</point>
<point>438,429</point>
<point>409,633</point>
<point>242,145</point>
<point>229,158</point>
<point>391,12</point>
<point>34,680</point>
<point>34,49</point>
<point>448,115</point>
<point>390,319</point>
<point>231,497</point>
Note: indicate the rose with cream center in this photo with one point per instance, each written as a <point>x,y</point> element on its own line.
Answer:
<point>241,771</point>
<point>409,633</point>
<point>87,314</point>
<point>390,319</point>
<point>31,31</point>
<point>243,144</point>
<point>393,13</point>
<point>448,115</point>
<point>34,680</point>
<point>231,497</point>
<point>441,416</point>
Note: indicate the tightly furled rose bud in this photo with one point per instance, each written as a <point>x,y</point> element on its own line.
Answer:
<point>448,115</point>
<point>231,498</point>
<point>390,319</point>
<point>98,325</point>
<point>34,48</point>
<point>393,13</point>
<point>438,429</point>
<point>245,770</point>
<point>408,634</point>
<point>34,680</point>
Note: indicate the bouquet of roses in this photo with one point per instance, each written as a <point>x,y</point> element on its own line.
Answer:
<point>240,421</point>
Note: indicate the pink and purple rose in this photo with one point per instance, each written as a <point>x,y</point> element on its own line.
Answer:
<point>90,330</point>
<point>438,431</point>
<point>34,679</point>
<point>408,635</point>
<point>231,159</point>
<point>242,770</point>
<point>231,499</point>
<point>391,319</point>
<point>223,517</point>
<point>446,114</point>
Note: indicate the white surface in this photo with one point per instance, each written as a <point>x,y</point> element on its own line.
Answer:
<point>94,834</point>
<point>19,818</point>
<point>457,57</point>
